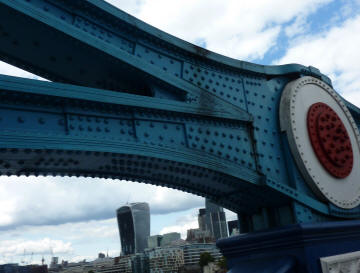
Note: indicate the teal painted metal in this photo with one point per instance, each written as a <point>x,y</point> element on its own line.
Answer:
<point>130,101</point>
<point>296,248</point>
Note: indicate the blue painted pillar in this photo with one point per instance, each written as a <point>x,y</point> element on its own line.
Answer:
<point>295,248</point>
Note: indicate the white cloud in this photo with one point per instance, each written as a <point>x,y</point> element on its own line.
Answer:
<point>299,26</point>
<point>335,53</point>
<point>183,223</point>
<point>21,247</point>
<point>230,215</point>
<point>70,241</point>
<point>240,29</point>
<point>129,6</point>
<point>7,209</point>
<point>54,200</point>
<point>10,70</point>
<point>79,231</point>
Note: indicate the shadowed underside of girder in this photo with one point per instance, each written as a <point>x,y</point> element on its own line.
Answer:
<point>146,106</point>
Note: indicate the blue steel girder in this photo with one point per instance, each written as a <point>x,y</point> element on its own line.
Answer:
<point>133,102</point>
<point>91,43</point>
<point>59,129</point>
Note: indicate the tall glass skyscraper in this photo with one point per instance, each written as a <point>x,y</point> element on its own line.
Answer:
<point>134,227</point>
<point>215,220</point>
<point>202,219</point>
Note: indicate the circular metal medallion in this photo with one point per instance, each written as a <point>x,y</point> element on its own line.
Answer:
<point>324,140</point>
<point>330,140</point>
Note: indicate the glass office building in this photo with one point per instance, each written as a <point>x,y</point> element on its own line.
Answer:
<point>215,220</point>
<point>202,219</point>
<point>134,227</point>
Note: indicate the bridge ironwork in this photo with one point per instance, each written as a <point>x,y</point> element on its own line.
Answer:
<point>126,100</point>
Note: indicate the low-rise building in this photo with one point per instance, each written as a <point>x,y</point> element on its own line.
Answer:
<point>165,259</point>
<point>163,240</point>
<point>154,241</point>
<point>168,238</point>
<point>140,263</point>
<point>121,264</point>
<point>134,263</point>
<point>197,235</point>
<point>102,262</point>
<point>16,268</point>
<point>192,252</point>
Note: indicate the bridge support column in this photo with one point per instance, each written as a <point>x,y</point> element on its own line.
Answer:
<point>316,248</point>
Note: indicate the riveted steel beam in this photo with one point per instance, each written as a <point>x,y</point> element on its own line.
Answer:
<point>59,129</point>
<point>130,101</point>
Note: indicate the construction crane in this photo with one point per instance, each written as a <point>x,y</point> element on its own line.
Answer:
<point>31,258</point>
<point>24,256</point>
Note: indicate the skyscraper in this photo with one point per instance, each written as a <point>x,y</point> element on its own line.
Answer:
<point>202,219</point>
<point>215,220</point>
<point>134,227</point>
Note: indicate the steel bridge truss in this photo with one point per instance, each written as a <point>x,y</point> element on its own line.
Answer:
<point>129,101</point>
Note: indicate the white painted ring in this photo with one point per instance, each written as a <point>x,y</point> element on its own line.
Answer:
<point>296,100</point>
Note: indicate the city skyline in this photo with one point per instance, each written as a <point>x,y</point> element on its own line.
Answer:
<point>104,235</point>
<point>66,214</point>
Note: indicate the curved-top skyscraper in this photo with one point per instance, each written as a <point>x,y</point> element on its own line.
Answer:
<point>134,227</point>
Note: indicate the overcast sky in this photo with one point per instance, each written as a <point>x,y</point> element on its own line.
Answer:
<point>74,218</point>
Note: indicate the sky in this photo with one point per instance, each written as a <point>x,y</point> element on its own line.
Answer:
<point>74,218</point>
